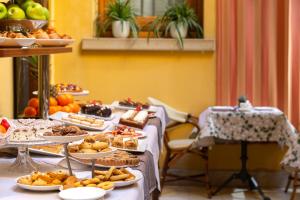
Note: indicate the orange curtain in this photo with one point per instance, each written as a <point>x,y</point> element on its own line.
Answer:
<point>294,62</point>
<point>258,53</point>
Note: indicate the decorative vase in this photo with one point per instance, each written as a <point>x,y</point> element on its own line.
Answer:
<point>183,30</point>
<point>120,29</point>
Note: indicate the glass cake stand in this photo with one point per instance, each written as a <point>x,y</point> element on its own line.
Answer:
<point>24,163</point>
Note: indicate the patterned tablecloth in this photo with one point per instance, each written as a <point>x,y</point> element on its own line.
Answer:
<point>261,124</point>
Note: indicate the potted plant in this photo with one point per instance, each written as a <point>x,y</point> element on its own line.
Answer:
<point>120,16</point>
<point>178,21</point>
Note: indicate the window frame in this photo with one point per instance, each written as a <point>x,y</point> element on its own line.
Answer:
<point>142,21</point>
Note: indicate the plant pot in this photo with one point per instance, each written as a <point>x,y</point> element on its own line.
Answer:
<point>119,30</point>
<point>183,30</point>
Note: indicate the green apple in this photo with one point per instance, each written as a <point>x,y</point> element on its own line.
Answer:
<point>3,11</point>
<point>15,13</point>
<point>46,12</point>
<point>35,11</point>
<point>26,3</point>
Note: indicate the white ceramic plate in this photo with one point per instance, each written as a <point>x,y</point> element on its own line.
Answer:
<point>36,188</point>
<point>82,193</point>
<point>83,93</point>
<point>93,155</point>
<point>111,117</point>
<point>61,188</point>
<point>60,115</point>
<point>54,42</point>
<point>117,106</point>
<point>64,139</point>
<point>137,175</point>
<point>17,42</point>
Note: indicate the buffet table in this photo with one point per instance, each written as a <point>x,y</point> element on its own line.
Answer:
<point>259,124</point>
<point>148,168</point>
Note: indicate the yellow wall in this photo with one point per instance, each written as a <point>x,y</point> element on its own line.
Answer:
<point>183,80</point>
<point>6,87</point>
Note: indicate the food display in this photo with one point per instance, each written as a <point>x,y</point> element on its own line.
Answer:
<point>84,120</point>
<point>24,135</point>
<point>52,149</point>
<point>90,146</point>
<point>104,179</point>
<point>73,182</point>
<point>67,87</point>
<point>130,103</point>
<point>44,179</point>
<point>28,9</point>
<point>121,142</point>
<point>96,109</point>
<point>50,33</point>
<point>119,158</point>
<point>125,131</point>
<point>64,103</point>
<point>14,34</point>
<point>65,131</point>
<point>134,118</point>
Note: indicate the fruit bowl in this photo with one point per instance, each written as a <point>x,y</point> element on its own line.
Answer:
<point>21,25</point>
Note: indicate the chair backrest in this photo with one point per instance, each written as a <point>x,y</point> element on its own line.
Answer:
<point>173,114</point>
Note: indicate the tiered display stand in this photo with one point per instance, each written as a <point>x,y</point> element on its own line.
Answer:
<point>24,161</point>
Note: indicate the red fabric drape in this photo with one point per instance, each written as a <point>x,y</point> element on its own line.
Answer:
<point>258,52</point>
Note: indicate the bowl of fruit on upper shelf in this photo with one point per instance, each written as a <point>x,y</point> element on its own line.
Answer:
<point>24,15</point>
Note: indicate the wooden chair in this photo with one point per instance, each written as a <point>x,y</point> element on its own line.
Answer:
<point>296,183</point>
<point>175,149</point>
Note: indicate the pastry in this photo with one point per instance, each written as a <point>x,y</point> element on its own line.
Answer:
<point>96,109</point>
<point>117,142</point>
<point>124,131</point>
<point>84,120</point>
<point>129,103</point>
<point>89,145</point>
<point>131,144</point>
<point>134,118</point>
<point>65,131</point>
<point>44,179</point>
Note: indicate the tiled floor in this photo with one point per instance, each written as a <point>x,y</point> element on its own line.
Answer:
<point>185,190</point>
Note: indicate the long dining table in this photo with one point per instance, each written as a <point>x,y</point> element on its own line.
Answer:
<point>143,189</point>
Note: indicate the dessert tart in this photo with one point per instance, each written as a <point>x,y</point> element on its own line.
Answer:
<point>96,109</point>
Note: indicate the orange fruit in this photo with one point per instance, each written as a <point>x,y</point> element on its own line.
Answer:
<point>66,109</point>
<point>52,101</point>
<point>71,105</point>
<point>76,108</point>
<point>70,98</point>
<point>52,110</point>
<point>62,100</point>
<point>33,102</point>
<point>2,129</point>
<point>30,111</point>
<point>58,108</point>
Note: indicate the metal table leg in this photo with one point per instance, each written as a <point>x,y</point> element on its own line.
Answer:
<point>43,85</point>
<point>243,175</point>
<point>68,159</point>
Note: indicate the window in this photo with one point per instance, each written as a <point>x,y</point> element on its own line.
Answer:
<point>148,10</point>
